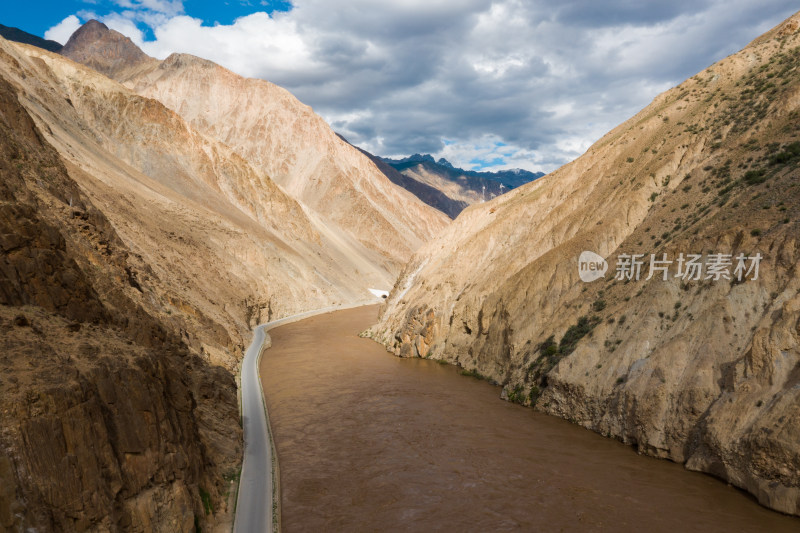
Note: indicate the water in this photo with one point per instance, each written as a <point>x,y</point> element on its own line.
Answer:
<point>370,442</point>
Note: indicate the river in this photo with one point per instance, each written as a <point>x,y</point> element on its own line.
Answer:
<point>370,442</point>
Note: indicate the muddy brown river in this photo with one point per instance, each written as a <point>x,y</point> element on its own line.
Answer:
<point>370,442</point>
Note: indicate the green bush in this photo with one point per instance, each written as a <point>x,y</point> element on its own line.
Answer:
<point>516,395</point>
<point>207,505</point>
<point>575,333</point>
<point>789,153</point>
<point>754,177</point>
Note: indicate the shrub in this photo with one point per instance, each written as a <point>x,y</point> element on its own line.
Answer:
<point>207,505</point>
<point>754,177</point>
<point>789,153</point>
<point>516,395</point>
<point>534,394</point>
<point>575,333</point>
<point>474,374</point>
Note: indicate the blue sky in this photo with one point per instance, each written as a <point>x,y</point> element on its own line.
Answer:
<point>39,16</point>
<point>486,84</point>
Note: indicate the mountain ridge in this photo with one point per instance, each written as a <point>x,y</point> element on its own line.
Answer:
<point>21,36</point>
<point>464,186</point>
<point>702,373</point>
<point>282,137</point>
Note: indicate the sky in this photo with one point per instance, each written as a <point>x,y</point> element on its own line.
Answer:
<point>489,85</point>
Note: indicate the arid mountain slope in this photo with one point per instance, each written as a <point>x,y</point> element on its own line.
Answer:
<point>108,419</point>
<point>239,250</point>
<point>704,372</point>
<point>142,252</point>
<point>284,139</point>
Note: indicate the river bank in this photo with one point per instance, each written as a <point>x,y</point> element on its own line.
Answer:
<point>367,441</point>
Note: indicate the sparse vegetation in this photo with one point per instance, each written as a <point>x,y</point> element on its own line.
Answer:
<point>517,395</point>
<point>575,333</point>
<point>208,506</point>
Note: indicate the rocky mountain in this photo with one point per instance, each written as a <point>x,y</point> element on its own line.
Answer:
<point>110,420</point>
<point>138,253</point>
<point>108,52</point>
<point>428,194</point>
<point>340,189</point>
<point>697,360</point>
<point>20,36</point>
<point>464,186</point>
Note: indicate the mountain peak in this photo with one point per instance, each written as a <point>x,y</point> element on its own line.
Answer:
<point>96,45</point>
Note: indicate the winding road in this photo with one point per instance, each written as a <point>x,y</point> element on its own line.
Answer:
<point>258,499</point>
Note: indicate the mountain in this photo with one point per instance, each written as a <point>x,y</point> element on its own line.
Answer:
<point>138,253</point>
<point>106,51</point>
<point>340,189</point>
<point>466,186</point>
<point>704,372</point>
<point>428,194</point>
<point>111,418</point>
<point>19,36</point>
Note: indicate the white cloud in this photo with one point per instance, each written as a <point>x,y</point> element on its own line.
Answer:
<point>528,83</point>
<point>255,45</point>
<point>167,7</point>
<point>62,31</point>
<point>124,25</point>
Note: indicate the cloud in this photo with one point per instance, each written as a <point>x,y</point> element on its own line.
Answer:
<point>62,31</point>
<point>166,7</point>
<point>481,82</point>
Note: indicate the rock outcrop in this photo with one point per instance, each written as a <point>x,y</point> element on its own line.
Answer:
<point>108,52</point>
<point>704,372</point>
<point>109,421</point>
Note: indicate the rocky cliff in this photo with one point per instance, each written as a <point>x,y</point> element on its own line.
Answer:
<point>703,371</point>
<point>109,420</point>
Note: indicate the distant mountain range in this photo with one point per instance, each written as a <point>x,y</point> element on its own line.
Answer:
<point>509,178</point>
<point>464,187</point>
<point>19,36</point>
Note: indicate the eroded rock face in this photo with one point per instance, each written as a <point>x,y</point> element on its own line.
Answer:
<point>701,372</point>
<point>107,419</point>
<point>106,51</point>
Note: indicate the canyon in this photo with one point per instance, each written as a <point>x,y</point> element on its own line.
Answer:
<point>152,212</point>
<point>702,372</point>
<point>138,253</point>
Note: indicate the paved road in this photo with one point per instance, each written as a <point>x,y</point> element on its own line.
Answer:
<point>257,501</point>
